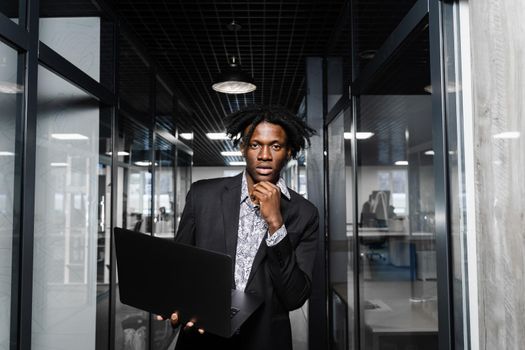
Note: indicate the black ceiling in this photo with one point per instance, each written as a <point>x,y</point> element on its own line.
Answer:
<point>191,43</point>
<point>190,40</point>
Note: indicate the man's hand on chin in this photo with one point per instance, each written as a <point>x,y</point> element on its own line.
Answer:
<point>268,197</point>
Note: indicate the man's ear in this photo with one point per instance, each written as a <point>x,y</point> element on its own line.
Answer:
<point>289,154</point>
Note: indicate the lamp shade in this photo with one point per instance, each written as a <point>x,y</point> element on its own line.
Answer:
<point>233,80</point>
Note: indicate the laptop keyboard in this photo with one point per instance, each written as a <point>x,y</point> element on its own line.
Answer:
<point>233,312</point>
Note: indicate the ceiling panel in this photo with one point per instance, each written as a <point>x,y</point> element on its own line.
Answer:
<point>191,41</point>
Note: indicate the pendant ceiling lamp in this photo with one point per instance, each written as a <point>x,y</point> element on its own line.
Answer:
<point>233,80</point>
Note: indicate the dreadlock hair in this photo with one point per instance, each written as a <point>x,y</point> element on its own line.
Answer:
<point>298,133</point>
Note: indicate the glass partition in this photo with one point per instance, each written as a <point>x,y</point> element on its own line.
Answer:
<point>164,219</point>
<point>81,34</point>
<point>341,242</point>
<point>373,22</point>
<point>66,218</point>
<point>396,205</point>
<point>10,99</point>
<point>104,227</point>
<point>10,9</point>
<point>134,81</point>
<point>134,213</point>
<point>183,183</point>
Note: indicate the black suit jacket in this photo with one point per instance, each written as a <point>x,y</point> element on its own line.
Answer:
<point>280,274</point>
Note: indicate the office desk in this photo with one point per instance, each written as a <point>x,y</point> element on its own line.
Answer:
<point>397,316</point>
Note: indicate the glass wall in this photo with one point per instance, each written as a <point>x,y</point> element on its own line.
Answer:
<point>11,9</point>
<point>66,216</point>
<point>164,219</point>
<point>383,268</point>
<point>104,227</point>
<point>396,205</point>
<point>133,212</point>
<point>183,182</point>
<point>82,34</point>
<point>373,22</point>
<point>61,280</point>
<point>341,244</point>
<point>10,99</point>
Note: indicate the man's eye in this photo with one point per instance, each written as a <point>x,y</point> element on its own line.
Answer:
<point>276,147</point>
<point>254,145</point>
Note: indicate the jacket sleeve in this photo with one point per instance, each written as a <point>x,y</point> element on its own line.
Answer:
<point>291,269</point>
<point>186,230</point>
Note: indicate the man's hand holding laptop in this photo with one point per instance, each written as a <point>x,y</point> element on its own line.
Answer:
<point>175,322</point>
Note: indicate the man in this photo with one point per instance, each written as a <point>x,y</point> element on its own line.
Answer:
<point>269,230</point>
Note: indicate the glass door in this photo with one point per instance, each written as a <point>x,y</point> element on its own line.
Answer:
<point>396,202</point>
<point>341,232</point>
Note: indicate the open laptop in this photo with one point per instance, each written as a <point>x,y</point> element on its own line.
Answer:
<point>161,276</point>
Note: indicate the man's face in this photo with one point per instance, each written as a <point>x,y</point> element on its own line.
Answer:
<point>266,152</point>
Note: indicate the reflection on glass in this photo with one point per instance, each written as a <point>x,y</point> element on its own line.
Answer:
<point>340,222</point>
<point>77,39</point>
<point>104,228</point>
<point>372,27</point>
<point>164,188</point>
<point>134,213</point>
<point>66,220</point>
<point>164,217</point>
<point>81,35</point>
<point>10,108</point>
<point>183,182</point>
<point>396,222</point>
<point>134,78</point>
<point>10,9</point>
<point>165,110</point>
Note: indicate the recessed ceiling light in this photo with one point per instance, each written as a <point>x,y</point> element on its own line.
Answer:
<point>69,137</point>
<point>5,153</point>
<point>507,135</point>
<point>231,153</point>
<point>401,162</point>
<point>430,152</point>
<point>186,135</point>
<point>7,87</point>
<point>144,163</point>
<point>217,136</point>
<point>58,164</point>
<point>360,135</point>
<point>451,87</point>
<point>237,163</point>
<point>367,54</point>
<point>119,153</point>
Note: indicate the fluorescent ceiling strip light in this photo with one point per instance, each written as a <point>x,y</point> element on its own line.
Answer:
<point>7,87</point>
<point>360,135</point>
<point>401,162</point>
<point>217,136</point>
<point>119,153</point>
<point>186,135</point>
<point>144,163</point>
<point>231,153</point>
<point>237,163</point>
<point>72,136</point>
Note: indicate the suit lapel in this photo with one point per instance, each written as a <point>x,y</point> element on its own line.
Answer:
<point>230,200</point>
<point>261,253</point>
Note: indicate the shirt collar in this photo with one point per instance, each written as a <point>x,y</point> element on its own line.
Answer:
<point>244,188</point>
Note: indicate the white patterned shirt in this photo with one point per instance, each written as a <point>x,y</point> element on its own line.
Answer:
<point>252,230</point>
